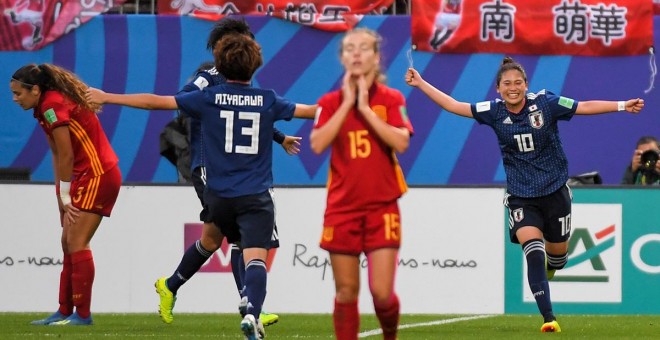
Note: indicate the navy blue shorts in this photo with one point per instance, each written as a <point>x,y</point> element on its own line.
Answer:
<point>249,219</point>
<point>199,182</point>
<point>551,214</point>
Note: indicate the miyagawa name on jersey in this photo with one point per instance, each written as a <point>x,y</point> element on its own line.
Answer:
<point>239,99</point>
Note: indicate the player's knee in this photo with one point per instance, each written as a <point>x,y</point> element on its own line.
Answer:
<point>557,261</point>
<point>210,242</point>
<point>347,294</point>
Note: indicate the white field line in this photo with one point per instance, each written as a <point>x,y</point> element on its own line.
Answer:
<point>424,324</point>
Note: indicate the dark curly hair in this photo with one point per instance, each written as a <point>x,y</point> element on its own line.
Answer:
<point>226,26</point>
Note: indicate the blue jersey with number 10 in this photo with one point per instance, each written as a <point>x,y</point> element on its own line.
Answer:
<point>237,122</point>
<point>532,153</point>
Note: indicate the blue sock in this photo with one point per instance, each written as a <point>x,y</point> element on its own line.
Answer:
<point>236,265</point>
<point>193,259</point>
<point>241,272</point>
<point>255,286</point>
<point>536,276</point>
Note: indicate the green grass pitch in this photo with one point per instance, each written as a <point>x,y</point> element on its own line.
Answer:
<point>319,326</point>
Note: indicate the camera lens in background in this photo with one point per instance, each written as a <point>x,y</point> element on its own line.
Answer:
<point>648,159</point>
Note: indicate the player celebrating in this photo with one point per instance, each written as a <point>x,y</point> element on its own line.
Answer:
<point>210,241</point>
<point>538,199</point>
<point>238,148</point>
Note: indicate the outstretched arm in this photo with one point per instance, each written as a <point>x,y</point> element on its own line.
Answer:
<point>305,111</point>
<point>145,101</point>
<point>413,78</point>
<point>594,107</point>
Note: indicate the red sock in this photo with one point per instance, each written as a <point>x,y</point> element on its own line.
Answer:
<point>388,315</point>
<point>347,320</point>
<point>82,279</point>
<point>66,304</point>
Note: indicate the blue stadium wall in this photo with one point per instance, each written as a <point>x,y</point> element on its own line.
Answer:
<point>143,53</point>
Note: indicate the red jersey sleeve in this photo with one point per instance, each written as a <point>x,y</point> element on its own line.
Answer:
<point>327,106</point>
<point>55,110</point>
<point>397,114</point>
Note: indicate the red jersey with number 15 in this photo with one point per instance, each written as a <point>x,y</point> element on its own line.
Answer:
<point>364,171</point>
<point>92,152</point>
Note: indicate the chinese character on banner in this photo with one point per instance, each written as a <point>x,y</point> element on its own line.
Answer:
<point>32,24</point>
<point>330,15</point>
<point>540,27</point>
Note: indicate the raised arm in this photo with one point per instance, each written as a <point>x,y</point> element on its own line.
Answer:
<point>594,107</point>
<point>445,101</point>
<point>145,101</point>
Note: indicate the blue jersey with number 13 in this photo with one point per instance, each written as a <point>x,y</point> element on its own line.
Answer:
<point>237,122</point>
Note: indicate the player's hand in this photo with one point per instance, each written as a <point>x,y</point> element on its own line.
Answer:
<point>634,105</point>
<point>363,94</point>
<point>71,214</point>
<point>348,88</point>
<point>291,144</point>
<point>95,96</point>
<point>413,78</point>
<point>636,160</point>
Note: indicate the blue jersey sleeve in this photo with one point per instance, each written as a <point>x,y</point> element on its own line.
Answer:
<point>562,108</point>
<point>283,108</point>
<point>201,80</point>
<point>190,103</point>
<point>484,112</point>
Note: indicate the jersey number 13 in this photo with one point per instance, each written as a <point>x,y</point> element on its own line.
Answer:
<point>252,131</point>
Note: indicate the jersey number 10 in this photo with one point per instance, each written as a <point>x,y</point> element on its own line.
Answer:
<point>525,142</point>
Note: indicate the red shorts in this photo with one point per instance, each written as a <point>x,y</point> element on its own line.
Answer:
<point>97,194</point>
<point>363,231</point>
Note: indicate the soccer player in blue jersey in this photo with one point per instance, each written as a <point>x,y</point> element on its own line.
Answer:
<point>538,199</point>
<point>237,127</point>
<point>210,241</point>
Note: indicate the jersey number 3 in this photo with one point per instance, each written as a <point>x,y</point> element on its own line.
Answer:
<point>525,142</point>
<point>252,131</point>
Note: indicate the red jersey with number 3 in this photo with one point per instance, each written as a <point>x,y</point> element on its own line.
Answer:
<point>364,170</point>
<point>92,152</point>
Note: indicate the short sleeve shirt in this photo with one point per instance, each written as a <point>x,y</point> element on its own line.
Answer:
<point>363,169</point>
<point>532,152</point>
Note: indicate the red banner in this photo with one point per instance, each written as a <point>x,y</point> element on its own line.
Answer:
<point>330,15</point>
<point>32,24</point>
<point>540,27</point>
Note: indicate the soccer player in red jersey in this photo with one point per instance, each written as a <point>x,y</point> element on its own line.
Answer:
<point>365,123</point>
<point>86,174</point>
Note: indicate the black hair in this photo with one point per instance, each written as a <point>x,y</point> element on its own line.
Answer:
<point>226,26</point>
<point>647,139</point>
<point>509,64</point>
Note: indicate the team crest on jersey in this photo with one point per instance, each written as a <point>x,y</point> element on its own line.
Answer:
<point>518,214</point>
<point>536,119</point>
<point>380,111</point>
